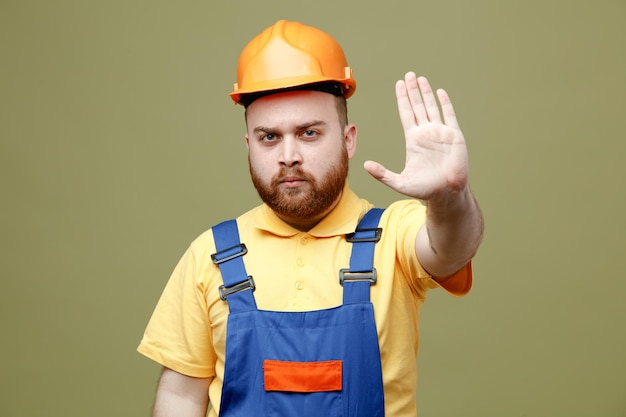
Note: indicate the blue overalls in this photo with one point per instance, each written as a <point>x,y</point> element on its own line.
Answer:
<point>301,364</point>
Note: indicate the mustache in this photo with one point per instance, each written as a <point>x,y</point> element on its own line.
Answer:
<point>296,172</point>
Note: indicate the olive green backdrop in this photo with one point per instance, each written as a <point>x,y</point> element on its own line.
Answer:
<point>119,145</point>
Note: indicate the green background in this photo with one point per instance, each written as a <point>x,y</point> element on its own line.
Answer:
<point>119,145</point>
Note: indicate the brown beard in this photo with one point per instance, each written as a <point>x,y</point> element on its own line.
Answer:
<point>302,203</point>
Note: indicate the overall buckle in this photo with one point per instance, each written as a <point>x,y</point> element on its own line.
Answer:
<point>345,275</point>
<point>365,235</point>
<point>229,253</point>
<point>242,286</point>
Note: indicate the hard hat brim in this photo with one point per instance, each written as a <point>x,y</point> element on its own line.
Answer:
<point>349,85</point>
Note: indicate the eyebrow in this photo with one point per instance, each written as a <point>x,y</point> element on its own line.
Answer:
<point>263,129</point>
<point>311,124</point>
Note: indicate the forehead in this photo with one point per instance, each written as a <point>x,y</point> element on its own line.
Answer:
<point>292,106</point>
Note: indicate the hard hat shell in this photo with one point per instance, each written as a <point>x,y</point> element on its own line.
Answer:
<point>291,54</point>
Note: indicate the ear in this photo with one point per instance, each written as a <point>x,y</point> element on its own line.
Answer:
<point>247,142</point>
<point>349,136</point>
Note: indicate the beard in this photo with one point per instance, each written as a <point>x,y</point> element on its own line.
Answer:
<point>313,199</point>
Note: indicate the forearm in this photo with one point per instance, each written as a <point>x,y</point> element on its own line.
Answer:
<point>451,235</point>
<point>181,396</point>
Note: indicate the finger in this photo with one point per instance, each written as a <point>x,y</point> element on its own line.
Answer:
<point>415,97</point>
<point>449,115</point>
<point>407,118</point>
<point>379,172</point>
<point>430,101</point>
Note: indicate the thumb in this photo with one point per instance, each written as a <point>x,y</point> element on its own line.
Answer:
<point>379,172</point>
<point>382,174</point>
<point>375,169</point>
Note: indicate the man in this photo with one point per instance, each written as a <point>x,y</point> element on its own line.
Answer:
<point>305,318</point>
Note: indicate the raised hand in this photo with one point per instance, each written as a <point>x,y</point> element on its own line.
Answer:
<point>436,155</point>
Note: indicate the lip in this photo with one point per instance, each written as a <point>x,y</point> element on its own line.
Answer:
<point>292,181</point>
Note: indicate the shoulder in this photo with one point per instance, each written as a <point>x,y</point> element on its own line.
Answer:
<point>409,209</point>
<point>404,218</point>
<point>206,239</point>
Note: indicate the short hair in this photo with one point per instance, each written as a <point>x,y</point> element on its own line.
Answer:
<point>342,110</point>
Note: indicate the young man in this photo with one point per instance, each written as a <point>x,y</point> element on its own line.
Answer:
<point>316,313</point>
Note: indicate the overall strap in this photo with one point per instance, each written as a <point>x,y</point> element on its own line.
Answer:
<point>238,285</point>
<point>357,279</point>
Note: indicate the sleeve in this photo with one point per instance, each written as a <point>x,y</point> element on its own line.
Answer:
<point>458,284</point>
<point>178,335</point>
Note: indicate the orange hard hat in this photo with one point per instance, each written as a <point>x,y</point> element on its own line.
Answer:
<point>288,55</point>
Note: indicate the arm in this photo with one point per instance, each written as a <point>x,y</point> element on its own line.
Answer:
<point>451,235</point>
<point>181,395</point>
<point>436,171</point>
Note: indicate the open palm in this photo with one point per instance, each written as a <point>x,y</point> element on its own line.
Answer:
<point>436,155</point>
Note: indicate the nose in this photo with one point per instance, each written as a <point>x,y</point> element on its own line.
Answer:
<point>290,152</point>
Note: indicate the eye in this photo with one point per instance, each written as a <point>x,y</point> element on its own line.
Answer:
<point>269,138</point>
<point>309,134</point>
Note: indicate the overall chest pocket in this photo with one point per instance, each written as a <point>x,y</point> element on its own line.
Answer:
<point>303,388</point>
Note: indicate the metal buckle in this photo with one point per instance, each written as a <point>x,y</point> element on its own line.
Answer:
<point>242,286</point>
<point>355,236</point>
<point>229,254</point>
<point>345,275</point>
